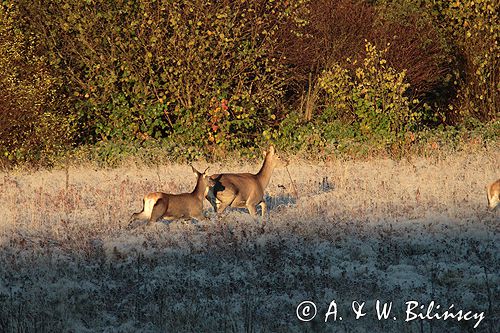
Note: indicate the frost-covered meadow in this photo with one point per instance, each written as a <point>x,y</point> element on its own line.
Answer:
<point>359,230</point>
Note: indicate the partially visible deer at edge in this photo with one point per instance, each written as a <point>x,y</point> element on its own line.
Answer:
<point>493,193</point>
<point>158,205</point>
<point>244,190</point>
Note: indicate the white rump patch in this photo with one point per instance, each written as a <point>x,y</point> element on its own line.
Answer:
<point>148,207</point>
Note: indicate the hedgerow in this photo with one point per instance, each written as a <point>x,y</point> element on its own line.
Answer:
<point>203,78</point>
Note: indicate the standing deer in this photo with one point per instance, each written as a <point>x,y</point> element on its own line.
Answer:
<point>159,205</point>
<point>243,190</point>
<point>493,192</point>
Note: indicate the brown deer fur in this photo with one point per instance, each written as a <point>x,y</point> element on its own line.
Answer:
<point>493,192</point>
<point>159,205</point>
<point>243,190</point>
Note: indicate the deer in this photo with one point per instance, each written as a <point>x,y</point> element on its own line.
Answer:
<point>244,190</point>
<point>493,193</point>
<point>158,205</point>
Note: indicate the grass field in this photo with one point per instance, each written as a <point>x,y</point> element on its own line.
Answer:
<point>359,230</point>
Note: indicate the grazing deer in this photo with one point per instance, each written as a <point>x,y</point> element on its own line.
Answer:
<point>493,192</point>
<point>159,205</point>
<point>243,190</point>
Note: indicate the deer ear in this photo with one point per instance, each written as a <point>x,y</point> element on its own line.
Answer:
<point>271,149</point>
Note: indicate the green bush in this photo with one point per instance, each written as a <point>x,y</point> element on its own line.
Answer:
<point>368,104</point>
<point>375,94</point>
<point>151,69</point>
<point>335,30</point>
<point>469,30</point>
<point>203,78</point>
<point>474,27</point>
<point>34,125</point>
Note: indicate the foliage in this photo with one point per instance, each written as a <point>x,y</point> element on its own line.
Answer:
<point>32,125</point>
<point>336,31</point>
<point>151,69</point>
<point>417,43</point>
<point>475,28</point>
<point>469,31</point>
<point>369,103</point>
<point>201,78</point>
<point>375,95</point>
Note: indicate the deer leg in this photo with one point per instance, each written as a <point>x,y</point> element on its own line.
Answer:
<point>198,214</point>
<point>200,218</point>
<point>223,199</point>
<point>263,205</point>
<point>264,208</point>
<point>251,209</point>
<point>221,206</point>
<point>226,201</point>
<point>159,209</point>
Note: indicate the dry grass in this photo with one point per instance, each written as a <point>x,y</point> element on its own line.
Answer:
<point>382,229</point>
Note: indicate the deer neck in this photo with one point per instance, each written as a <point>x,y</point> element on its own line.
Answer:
<point>264,174</point>
<point>199,190</point>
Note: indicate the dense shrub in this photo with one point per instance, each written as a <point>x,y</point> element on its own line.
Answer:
<point>150,69</point>
<point>33,124</point>
<point>475,30</point>
<point>468,31</point>
<point>201,78</point>
<point>336,31</point>
<point>371,101</point>
<point>417,45</point>
<point>375,94</point>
